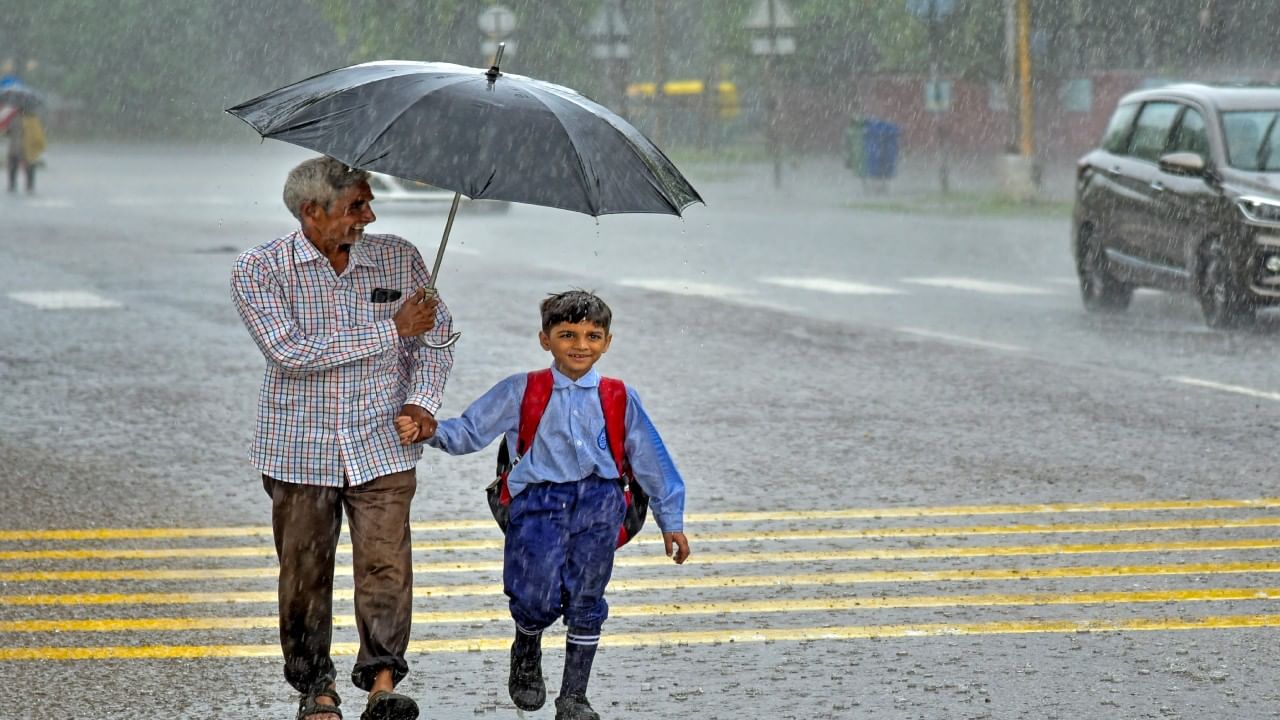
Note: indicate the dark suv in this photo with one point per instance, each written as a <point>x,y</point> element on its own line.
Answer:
<point>1184,195</point>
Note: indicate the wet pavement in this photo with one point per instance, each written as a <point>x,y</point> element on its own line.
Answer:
<point>960,498</point>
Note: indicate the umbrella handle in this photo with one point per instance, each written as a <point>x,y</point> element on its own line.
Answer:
<point>453,338</point>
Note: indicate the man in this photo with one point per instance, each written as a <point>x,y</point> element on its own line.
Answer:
<point>342,320</point>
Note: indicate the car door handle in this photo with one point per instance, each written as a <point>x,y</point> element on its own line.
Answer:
<point>1115,170</point>
<point>1157,186</point>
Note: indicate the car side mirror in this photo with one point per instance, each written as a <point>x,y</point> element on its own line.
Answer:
<point>1183,163</point>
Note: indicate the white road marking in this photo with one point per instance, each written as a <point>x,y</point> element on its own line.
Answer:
<point>983,286</point>
<point>1238,389</point>
<point>206,200</point>
<point>64,300</point>
<point>49,202</point>
<point>840,287</point>
<point>960,339</point>
<point>684,287</point>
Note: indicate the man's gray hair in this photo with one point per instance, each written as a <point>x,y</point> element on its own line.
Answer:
<point>319,180</point>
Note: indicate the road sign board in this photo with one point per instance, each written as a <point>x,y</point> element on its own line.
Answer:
<point>497,21</point>
<point>931,8</point>
<point>759,18</point>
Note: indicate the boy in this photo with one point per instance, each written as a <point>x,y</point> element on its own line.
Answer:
<point>566,502</point>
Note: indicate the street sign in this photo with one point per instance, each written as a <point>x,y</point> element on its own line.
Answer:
<point>497,22</point>
<point>776,46</point>
<point>937,95</point>
<point>611,51</point>
<point>608,23</point>
<point>931,8</point>
<point>759,18</point>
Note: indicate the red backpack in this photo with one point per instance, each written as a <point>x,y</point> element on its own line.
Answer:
<point>613,401</point>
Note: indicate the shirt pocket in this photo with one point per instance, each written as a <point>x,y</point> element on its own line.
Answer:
<point>372,313</point>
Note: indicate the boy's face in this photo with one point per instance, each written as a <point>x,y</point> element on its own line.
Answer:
<point>575,346</point>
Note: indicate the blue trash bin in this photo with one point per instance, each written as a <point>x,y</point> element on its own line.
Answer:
<point>879,150</point>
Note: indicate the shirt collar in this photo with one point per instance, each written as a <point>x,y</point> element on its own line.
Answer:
<point>590,380</point>
<point>303,250</point>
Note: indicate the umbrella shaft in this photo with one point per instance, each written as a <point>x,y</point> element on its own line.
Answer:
<point>444,241</point>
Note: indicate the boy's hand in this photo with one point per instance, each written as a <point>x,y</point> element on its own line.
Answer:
<point>681,546</point>
<point>414,424</point>
<point>407,429</point>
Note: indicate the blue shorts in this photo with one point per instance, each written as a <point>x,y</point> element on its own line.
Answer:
<point>559,553</point>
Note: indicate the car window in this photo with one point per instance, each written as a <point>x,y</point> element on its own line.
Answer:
<point>1152,130</point>
<point>1191,136</point>
<point>1116,138</point>
<point>1244,133</point>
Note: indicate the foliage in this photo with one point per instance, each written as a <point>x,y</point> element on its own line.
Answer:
<point>153,68</point>
<point>161,67</point>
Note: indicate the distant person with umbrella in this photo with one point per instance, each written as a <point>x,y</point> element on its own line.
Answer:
<point>26,136</point>
<point>343,322</point>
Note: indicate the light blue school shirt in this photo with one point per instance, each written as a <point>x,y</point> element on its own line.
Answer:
<point>571,443</point>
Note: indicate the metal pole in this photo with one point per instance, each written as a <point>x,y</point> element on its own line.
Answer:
<point>435,269</point>
<point>770,57</point>
<point>1011,76</point>
<point>1026,145</point>
<point>659,93</point>
<point>612,10</point>
<point>935,26</point>
<point>444,241</point>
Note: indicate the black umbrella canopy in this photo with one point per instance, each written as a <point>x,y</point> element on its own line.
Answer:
<point>485,134</point>
<point>22,97</point>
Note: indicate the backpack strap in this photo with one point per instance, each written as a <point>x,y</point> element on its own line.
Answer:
<point>613,402</point>
<point>537,394</point>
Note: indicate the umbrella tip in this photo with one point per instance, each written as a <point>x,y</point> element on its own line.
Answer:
<point>493,71</point>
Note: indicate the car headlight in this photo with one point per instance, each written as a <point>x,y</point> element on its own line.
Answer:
<point>1260,210</point>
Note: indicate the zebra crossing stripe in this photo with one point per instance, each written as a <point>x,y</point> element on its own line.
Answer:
<point>694,637</point>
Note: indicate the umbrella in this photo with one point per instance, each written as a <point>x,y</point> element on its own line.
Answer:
<point>480,133</point>
<point>20,96</point>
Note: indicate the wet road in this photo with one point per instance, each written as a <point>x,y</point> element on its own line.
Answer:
<point>923,483</point>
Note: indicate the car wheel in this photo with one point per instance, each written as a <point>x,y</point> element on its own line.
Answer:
<point>1099,289</point>
<point>1222,300</point>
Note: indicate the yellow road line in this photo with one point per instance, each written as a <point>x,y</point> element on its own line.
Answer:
<point>683,583</point>
<point>654,538</point>
<point>699,637</point>
<point>790,605</point>
<point>651,560</point>
<point>749,516</point>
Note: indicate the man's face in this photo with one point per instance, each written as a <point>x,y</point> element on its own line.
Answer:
<point>343,222</point>
<point>575,346</point>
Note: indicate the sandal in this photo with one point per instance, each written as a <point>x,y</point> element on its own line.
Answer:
<point>386,705</point>
<point>309,707</point>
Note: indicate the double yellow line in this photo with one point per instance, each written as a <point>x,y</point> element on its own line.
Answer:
<point>693,518</point>
<point>737,607</point>
<point>730,537</point>
<point>650,560</point>
<point>700,637</point>
<point>830,579</point>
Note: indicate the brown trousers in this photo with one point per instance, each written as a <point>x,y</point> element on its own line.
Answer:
<point>306,521</point>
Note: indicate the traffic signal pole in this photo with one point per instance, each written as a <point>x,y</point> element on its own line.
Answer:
<point>1026,118</point>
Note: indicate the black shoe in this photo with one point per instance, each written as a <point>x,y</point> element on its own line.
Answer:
<point>387,705</point>
<point>574,707</point>
<point>528,690</point>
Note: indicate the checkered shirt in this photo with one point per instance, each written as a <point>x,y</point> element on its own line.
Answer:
<point>337,373</point>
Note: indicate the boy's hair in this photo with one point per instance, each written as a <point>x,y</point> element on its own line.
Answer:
<point>575,306</point>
